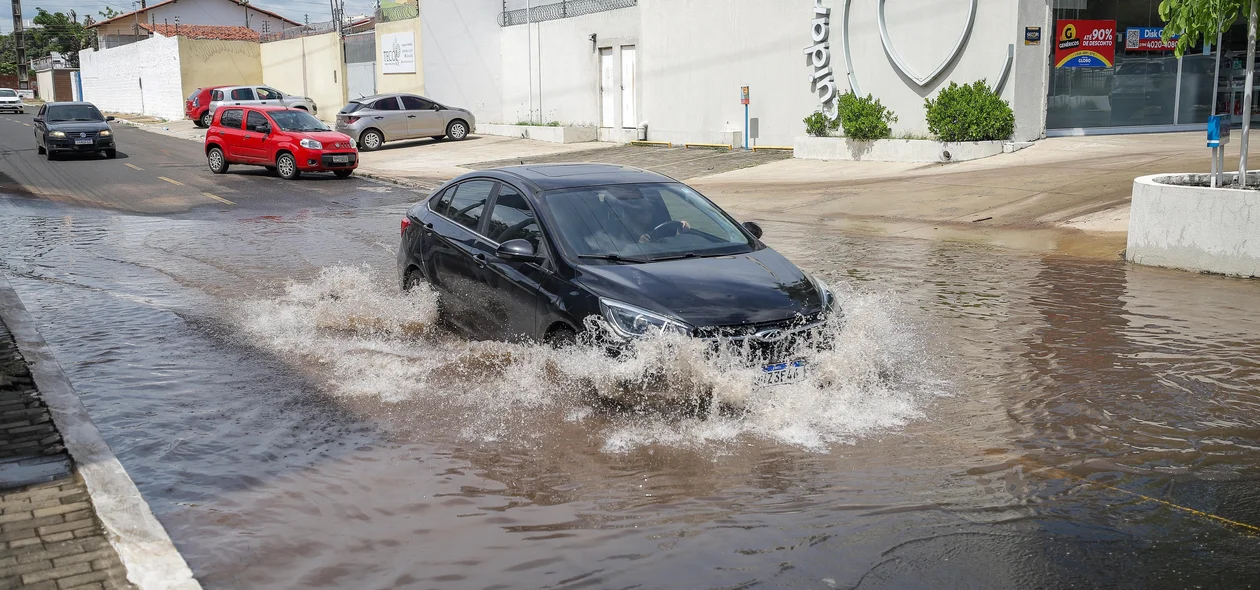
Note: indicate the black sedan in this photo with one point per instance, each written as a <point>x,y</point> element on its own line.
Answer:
<point>531,252</point>
<point>73,127</point>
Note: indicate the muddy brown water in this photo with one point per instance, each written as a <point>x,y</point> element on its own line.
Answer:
<point>997,419</point>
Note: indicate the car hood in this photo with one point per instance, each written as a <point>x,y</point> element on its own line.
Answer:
<point>76,126</point>
<point>760,286</point>
<point>323,136</point>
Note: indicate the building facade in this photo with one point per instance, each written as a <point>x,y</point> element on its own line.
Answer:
<point>130,27</point>
<point>677,66</point>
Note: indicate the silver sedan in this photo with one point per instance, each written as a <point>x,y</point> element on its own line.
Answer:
<point>374,120</point>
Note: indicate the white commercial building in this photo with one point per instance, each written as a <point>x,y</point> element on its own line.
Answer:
<point>678,66</point>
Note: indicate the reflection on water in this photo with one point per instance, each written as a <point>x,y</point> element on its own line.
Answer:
<point>295,423</point>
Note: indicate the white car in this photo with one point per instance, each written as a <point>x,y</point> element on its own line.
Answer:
<point>258,96</point>
<point>10,101</point>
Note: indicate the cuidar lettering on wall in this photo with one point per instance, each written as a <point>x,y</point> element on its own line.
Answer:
<point>398,53</point>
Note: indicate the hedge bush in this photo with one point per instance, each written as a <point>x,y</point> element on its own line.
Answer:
<point>862,118</point>
<point>970,112</point>
<point>819,124</point>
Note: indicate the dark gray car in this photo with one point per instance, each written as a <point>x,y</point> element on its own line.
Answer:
<point>374,120</point>
<point>73,127</point>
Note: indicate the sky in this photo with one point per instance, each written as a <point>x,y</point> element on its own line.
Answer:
<point>294,9</point>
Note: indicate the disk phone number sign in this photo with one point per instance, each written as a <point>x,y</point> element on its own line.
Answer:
<point>398,53</point>
<point>1147,39</point>
<point>1085,44</point>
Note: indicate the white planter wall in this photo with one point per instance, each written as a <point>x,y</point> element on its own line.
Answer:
<point>892,150</point>
<point>1194,228</point>
<point>539,133</point>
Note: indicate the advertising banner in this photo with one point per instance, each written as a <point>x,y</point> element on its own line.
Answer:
<point>398,53</point>
<point>1147,39</point>
<point>1085,44</point>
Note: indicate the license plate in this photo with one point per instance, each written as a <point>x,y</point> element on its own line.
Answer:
<point>82,142</point>
<point>781,374</point>
<point>341,159</point>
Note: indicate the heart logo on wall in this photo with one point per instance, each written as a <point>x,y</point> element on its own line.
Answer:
<point>905,68</point>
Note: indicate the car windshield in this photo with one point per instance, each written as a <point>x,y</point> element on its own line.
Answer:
<point>642,222</point>
<point>296,120</point>
<point>74,112</point>
<point>6,93</point>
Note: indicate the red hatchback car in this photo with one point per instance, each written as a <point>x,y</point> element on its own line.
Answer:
<point>286,141</point>
<point>197,106</point>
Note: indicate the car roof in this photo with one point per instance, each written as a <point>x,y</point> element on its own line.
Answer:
<point>363,99</point>
<point>573,175</point>
<point>261,107</point>
<point>69,103</point>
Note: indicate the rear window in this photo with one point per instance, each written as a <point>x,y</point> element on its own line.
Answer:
<point>386,104</point>
<point>351,107</point>
<point>194,94</point>
<point>243,94</point>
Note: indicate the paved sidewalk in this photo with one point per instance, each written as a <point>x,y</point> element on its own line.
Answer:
<point>50,536</point>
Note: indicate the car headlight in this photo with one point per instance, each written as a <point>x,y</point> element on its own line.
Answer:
<point>629,321</point>
<point>311,144</point>
<point>828,297</point>
<point>106,133</point>
<point>57,134</point>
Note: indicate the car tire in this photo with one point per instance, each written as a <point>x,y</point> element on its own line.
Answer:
<point>561,337</point>
<point>343,173</point>
<point>206,119</point>
<point>286,166</point>
<point>111,154</point>
<point>39,150</point>
<point>216,161</point>
<point>51,155</point>
<point>457,130</point>
<point>371,140</point>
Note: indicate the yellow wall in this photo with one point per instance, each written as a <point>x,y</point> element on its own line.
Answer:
<point>399,82</point>
<point>310,66</point>
<point>207,62</point>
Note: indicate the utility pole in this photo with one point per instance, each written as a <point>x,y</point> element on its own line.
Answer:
<point>1247,98</point>
<point>19,45</point>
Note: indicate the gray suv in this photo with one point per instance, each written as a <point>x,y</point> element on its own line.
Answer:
<point>373,120</point>
<point>257,96</point>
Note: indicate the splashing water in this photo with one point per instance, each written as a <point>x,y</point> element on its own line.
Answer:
<point>373,343</point>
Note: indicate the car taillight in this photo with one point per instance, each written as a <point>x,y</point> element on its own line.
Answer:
<point>197,102</point>
<point>350,119</point>
<point>406,222</point>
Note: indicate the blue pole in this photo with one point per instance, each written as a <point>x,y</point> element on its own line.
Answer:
<point>745,127</point>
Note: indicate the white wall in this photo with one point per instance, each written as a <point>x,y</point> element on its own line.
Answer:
<point>142,77</point>
<point>460,49</point>
<point>565,66</point>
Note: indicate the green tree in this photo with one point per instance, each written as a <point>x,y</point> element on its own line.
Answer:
<point>108,13</point>
<point>1194,20</point>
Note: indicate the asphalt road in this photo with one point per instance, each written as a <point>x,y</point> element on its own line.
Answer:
<point>158,174</point>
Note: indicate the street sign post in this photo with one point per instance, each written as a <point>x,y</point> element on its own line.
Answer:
<point>743,98</point>
<point>1217,139</point>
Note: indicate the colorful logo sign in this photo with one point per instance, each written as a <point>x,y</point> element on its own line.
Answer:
<point>1032,35</point>
<point>1147,39</point>
<point>1085,44</point>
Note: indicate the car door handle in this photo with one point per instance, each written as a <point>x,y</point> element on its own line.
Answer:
<point>481,260</point>
<point>411,116</point>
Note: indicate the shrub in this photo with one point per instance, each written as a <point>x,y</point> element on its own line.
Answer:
<point>863,119</point>
<point>819,124</point>
<point>970,112</point>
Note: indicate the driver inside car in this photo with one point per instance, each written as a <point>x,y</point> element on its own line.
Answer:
<point>641,215</point>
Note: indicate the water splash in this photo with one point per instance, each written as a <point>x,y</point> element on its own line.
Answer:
<point>375,342</point>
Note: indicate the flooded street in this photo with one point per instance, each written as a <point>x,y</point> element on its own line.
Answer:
<point>987,418</point>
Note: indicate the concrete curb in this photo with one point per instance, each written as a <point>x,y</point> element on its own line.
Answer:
<point>146,551</point>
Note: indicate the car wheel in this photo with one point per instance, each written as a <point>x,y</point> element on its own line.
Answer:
<point>561,337</point>
<point>457,130</point>
<point>287,167</point>
<point>205,119</point>
<point>371,140</point>
<point>52,155</point>
<point>343,173</point>
<point>218,164</point>
<point>111,154</point>
<point>39,149</point>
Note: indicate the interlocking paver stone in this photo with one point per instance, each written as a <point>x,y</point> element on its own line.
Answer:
<point>50,538</point>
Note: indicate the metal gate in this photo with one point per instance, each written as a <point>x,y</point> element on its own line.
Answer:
<point>360,64</point>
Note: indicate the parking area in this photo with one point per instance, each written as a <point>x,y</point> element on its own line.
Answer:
<point>676,162</point>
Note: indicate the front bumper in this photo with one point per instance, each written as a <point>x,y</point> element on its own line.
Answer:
<point>69,145</point>
<point>324,160</point>
<point>16,107</point>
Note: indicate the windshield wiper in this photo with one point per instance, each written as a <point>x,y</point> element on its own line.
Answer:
<point>81,119</point>
<point>675,257</point>
<point>611,257</point>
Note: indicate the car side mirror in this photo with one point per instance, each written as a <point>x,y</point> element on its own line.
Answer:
<point>109,118</point>
<point>437,107</point>
<point>264,129</point>
<point>38,119</point>
<point>519,250</point>
<point>753,228</point>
